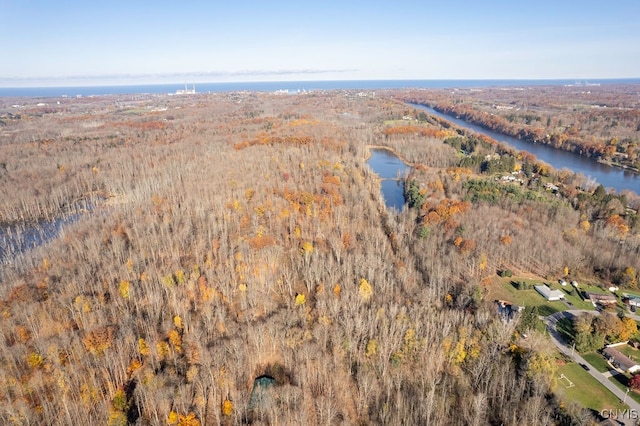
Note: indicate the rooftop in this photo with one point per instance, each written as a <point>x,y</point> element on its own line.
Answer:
<point>621,359</point>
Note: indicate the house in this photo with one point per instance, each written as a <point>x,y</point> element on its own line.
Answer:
<point>620,360</point>
<point>507,310</point>
<point>549,294</point>
<point>551,187</point>
<point>602,299</point>
<point>631,300</point>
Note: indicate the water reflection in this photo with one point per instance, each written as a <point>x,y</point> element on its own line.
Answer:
<point>391,171</point>
<point>19,238</point>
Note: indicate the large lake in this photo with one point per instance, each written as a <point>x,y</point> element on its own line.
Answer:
<point>392,172</point>
<point>610,177</point>
<point>269,86</point>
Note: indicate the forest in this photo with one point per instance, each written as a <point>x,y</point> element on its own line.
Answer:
<point>228,259</point>
<point>600,122</point>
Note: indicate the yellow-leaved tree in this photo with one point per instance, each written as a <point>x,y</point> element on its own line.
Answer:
<point>364,290</point>
<point>307,248</point>
<point>227,407</point>
<point>483,261</point>
<point>629,328</point>
<point>123,289</point>
<point>337,289</point>
<point>630,277</point>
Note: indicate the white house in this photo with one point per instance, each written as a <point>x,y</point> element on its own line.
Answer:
<point>549,294</point>
<point>632,300</point>
<point>621,361</point>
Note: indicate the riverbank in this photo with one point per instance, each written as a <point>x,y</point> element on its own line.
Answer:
<point>618,165</point>
<point>523,135</point>
<point>605,174</point>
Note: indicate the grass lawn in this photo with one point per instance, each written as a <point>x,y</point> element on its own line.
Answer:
<point>502,289</point>
<point>585,390</point>
<point>573,297</point>
<point>622,381</point>
<point>591,288</point>
<point>630,291</point>
<point>632,353</point>
<point>597,361</point>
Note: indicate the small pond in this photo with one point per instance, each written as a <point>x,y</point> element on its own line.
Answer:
<point>391,171</point>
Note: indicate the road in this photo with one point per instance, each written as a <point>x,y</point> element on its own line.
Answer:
<point>551,322</point>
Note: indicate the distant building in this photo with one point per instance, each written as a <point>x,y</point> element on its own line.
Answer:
<point>549,294</point>
<point>186,91</point>
<point>621,361</point>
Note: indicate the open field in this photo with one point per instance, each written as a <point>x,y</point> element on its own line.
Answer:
<point>586,390</point>
<point>503,289</point>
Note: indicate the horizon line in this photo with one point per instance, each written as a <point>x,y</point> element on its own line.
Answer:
<point>479,79</point>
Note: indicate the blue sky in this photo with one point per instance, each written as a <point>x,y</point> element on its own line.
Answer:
<point>137,42</point>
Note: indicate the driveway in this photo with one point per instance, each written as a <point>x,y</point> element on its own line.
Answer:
<point>557,340</point>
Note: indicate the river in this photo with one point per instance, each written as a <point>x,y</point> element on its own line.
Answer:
<point>610,177</point>
<point>392,171</point>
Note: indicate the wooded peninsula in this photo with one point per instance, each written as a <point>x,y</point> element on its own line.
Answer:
<point>228,258</point>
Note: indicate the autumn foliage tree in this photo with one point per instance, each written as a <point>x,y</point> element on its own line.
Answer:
<point>227,237</point>
<point>634,382</point>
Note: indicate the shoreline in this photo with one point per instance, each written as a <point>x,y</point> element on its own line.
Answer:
<point>617,178</point>
<point>609,163</point>
<point>387,148</point>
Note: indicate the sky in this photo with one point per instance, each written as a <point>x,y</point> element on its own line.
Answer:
<point>61,43</point>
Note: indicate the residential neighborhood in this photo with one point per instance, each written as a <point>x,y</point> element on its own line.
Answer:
<point>593,327</point>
